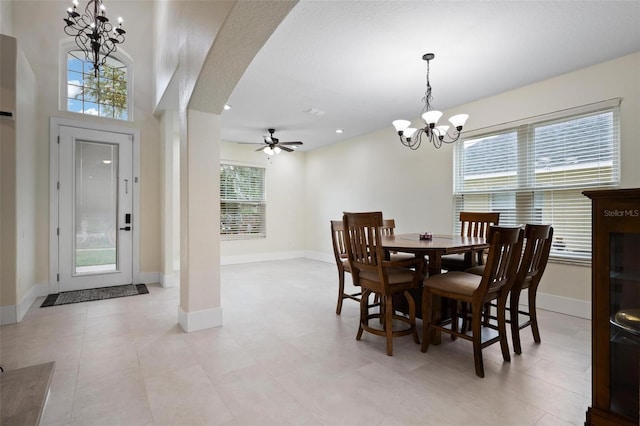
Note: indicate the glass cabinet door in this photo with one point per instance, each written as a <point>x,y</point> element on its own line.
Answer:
<point>624,308</point>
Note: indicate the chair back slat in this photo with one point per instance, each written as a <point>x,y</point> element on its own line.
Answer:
<point>337,240</point>
<point>476,224</point>
<point>362,236</point>
<point>536,253</point>
<point>503,259</point>
<point>388,226</point>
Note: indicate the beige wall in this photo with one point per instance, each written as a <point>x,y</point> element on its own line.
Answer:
<point>285,194</point>
<point>8,210</point>
<point>6,17</point>
<point>304,190</point>
<point>41,49</point>
<point>28,174</point>
<point>375,172</point>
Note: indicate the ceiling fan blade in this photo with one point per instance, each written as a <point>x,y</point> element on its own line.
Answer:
<point>291,143</point>
<point>284,148</point>
<point>260,149</point>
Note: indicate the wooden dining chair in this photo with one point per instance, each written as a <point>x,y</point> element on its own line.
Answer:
<point>379,277</point>
<point>388,228</point>
<point>472,224</point>
<point>499,274</point>
<point>534,261</point>
<point>537,246</point>
<point>342,262</point>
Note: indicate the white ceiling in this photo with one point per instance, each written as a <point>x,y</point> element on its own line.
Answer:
<point>360,62</point>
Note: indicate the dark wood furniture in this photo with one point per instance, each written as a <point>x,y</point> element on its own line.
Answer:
<point>380,277</point>
<point>499,273</point>
<point>388,228</point>
<point>615,301</point>
<point>340,255</point>
<point>472,224</point>
<point>537,246</point>
<point>434,249</point>
<point>23,393</point>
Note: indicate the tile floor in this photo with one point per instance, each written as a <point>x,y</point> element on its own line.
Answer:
<point>283,357</point>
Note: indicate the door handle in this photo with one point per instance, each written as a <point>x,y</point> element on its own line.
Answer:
<point>126,228</point>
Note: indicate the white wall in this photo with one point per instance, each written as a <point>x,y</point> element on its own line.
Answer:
<point>285,194</point>
<point>375,172</point>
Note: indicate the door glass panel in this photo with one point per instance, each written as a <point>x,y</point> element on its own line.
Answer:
<point>96,207</point>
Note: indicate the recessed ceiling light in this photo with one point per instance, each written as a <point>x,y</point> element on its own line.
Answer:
<point>106,161</point>
<point>338,130</point>
<point>227,107</point>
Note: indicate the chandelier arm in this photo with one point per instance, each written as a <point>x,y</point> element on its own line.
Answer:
<point>94,35</point>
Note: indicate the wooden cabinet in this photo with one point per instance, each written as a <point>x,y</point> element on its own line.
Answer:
<point>615,308</point>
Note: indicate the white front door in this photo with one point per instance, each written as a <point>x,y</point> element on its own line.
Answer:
<point>95,209</point>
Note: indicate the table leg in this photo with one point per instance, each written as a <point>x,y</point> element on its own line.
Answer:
<point>435,267</point>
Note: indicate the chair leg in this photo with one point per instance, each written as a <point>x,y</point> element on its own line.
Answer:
<point>487,314</point>
<point>502,327</point>
<point>364,312</point>
<point>340,291</point>
<point>427,318</point>
<point>454,317</point>
<point>533,316</point>
<point>514,302</point>
<point>388,322</point>
<point>465,316</point>
<point>412,316</point>
<point>476,327</point>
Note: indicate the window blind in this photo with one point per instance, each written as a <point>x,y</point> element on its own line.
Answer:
<point>242,202</point>
<point>535,173</point>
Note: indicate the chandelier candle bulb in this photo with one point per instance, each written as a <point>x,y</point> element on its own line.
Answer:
<point>437,135</point>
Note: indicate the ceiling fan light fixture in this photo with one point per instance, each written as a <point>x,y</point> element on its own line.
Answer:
<point>273,145</point>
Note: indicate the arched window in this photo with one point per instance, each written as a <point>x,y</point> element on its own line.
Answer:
<point>108,94</point>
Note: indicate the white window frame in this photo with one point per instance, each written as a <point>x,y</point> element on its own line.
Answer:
<point>69,45</point>
<point>263,203</point>
<point>523,198</point>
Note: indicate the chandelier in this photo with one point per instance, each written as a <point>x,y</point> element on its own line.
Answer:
<point>93,32</point>
<point>437,135</point>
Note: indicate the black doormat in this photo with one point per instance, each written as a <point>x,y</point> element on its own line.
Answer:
<point>102,293</point>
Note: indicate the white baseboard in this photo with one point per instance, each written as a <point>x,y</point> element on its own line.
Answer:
<point>199,320</point>
<point>261,257</point>
<point>322,257</point>
<point>563,305</point>
<point>170,280</point>
<point>12,314</point>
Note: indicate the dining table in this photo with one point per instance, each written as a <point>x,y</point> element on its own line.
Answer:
<point>433,248</point>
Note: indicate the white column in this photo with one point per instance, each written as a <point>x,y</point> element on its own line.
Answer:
<point>199,221</point>
<point>170,215</point>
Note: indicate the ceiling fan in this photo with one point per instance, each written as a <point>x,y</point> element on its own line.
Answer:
<point>274,146</point>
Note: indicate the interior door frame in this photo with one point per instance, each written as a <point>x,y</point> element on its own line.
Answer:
<point>54,162</point>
